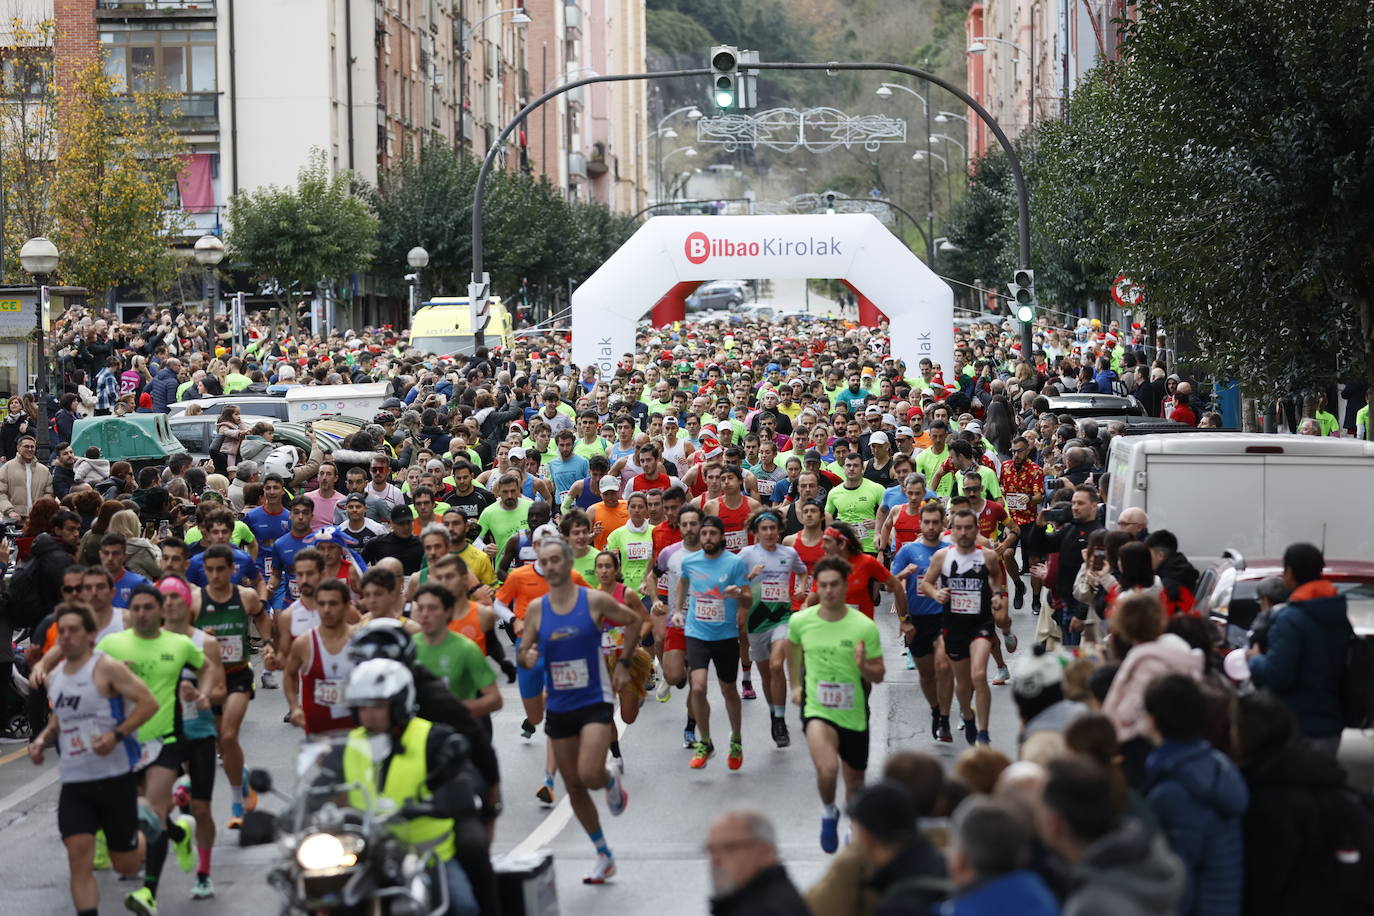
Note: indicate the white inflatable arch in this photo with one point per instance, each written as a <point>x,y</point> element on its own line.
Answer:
<point>670,255</point>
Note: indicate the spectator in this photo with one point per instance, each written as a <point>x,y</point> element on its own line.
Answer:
<point>1198,795</point>
<point>1116,867</point>
<point>904,871</point>
<point>990,850</point>
<point>978,768</point>
<point>229,435</point>
<point>1149,652</point>
<point>53,551</point>
<point>1069,540</point>
<point>1306,646</point>
<point>1176,574</point>
<point>1038,689</point>
<point>63,470</point>
<point>247,472</point>
<point>142,555</point>
<point>746,876</point>
<point>163,388</point>
<point>23,480</point>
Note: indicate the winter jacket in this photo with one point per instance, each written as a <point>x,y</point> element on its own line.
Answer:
<point>1289,866</point>
<point>52,557</point>
<point>1178,576</point>
<point>1304,657</point>
<point>62,480</point>
<point>769,893</point>
<point>912,882</point>
<point>91,470</point>
<point>1200,798</point>
<point>14,426</point>
<point>1125,702</point>
<point>16,487</point>
<point>438,438</point>
<point>1129,872</point>
<point>145,558</point>
<point>163,389</point>
<point>1021,892</point>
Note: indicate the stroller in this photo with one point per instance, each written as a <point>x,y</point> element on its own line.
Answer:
<point>18,723</point>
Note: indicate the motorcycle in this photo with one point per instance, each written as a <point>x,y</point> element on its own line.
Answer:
<point>338,855</point>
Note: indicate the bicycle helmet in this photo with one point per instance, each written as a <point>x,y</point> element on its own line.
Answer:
<point>382,637</point>
<point>382,680</point>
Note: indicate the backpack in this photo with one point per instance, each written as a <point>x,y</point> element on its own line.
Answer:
<point>1357,687</point>
<point>20,604</point>
<point>1347,818</point>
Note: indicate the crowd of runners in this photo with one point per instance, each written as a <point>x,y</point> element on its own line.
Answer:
<point>740,502</point>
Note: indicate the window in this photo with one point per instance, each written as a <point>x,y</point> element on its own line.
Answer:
<point>25,75</point>
<point>180,60</point>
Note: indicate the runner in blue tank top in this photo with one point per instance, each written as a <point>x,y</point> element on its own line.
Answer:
<point>563,633</point>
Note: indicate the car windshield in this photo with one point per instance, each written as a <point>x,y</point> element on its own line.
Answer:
<point>1359,605</point>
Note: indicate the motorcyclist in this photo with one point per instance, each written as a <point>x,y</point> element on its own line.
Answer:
<point>406,758</point>
<point>386,638</point>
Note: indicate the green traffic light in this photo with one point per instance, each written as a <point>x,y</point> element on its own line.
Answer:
<point>724,98</point>
<point>1024,313</point>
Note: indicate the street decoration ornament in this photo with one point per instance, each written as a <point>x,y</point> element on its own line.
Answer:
<point>1126,292</point>
<point>786,130</point>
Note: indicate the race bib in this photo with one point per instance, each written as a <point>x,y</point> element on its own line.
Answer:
<point>267,565</point>
<point>710,609</point>
<point>293,589</point>
<point>864,530</point>
<point>76,740</point>
<point>612,638</point>
<point>329,693</point>
<point>736,540</point>
<point>966,602</point>
<point>231,650</point>
<point>638,550</point>
<point>188,711</point>
<point>835,696</point>
<point>148,752</point>
<point>1017,501</point>
<point>773,590</point>
<point>571,674</point>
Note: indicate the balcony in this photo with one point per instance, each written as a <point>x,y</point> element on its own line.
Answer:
<point>155,9</point>
<point>191,110</point>
<point>194,224</point>
<point>577,166</point>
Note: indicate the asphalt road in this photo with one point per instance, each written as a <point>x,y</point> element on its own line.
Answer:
<point>657,842</point>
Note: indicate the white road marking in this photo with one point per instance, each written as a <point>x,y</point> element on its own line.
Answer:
<point>29,790</point>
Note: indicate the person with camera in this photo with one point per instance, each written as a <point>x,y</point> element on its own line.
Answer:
<point>1069,539</point>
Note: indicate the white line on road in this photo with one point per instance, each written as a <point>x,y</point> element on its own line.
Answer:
<point>25,792</point>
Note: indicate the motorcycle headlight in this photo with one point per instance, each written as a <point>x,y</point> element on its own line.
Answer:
<point>322,850</point>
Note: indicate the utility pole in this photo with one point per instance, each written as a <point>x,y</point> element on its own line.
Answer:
<point>930,184</point>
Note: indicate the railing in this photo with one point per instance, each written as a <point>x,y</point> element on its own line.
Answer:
<point>190,107</point>
<point>126,5</point>
<point>209,221</point>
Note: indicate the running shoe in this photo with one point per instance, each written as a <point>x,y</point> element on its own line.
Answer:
<point>185,848</point>
<point>269,682</point>
<point>508,669</point>
<point>736,758</point>
<point>983,738</point>
<point>780,736</point>
<point>250,797</point>
<point>651,681</point>
<point>603,869</point>
<point>141,902</point>
<point>1019,600</point>
<point>1003,675</point>
<point>689,737</point>
<point>101,862</point>
<point>526,729</point>
<point>1035,607</point>
<point>935,718</point>
<point>545,792</point>
<point>944,735</point>
<point>970,731</point>
<point>910,662</point>
<point>204,888</point>
<point>664,692</point>
<point>234,823</point>
<point>705,750</point>
<point>616,796</point>
<point>830,832</point>
<point>1010,641</point>
<point>748,690</point>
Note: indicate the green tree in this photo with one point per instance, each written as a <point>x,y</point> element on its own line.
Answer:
<point>291,240</point>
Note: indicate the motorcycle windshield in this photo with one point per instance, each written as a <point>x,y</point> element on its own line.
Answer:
<point>324,798</point>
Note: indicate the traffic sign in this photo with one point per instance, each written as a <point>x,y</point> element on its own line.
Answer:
<point>1126,292</point>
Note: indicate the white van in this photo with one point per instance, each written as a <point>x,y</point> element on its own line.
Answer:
<point>310,402</point>
<point>1254,493</point>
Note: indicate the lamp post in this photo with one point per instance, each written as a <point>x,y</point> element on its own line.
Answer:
<point>39,257</point>
<point>688,151</point>
<point>661,133</point>
<point>418,259</point>
<point>518,17</point>
<point>936,138</point>
<point>884,91</point>
<point>979,45</point>
<point>209,252</point>
<point>926,156</point>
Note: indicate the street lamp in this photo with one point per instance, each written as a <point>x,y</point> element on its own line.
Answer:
<point>418,259</point>
<point>945,117</point>
<point>209,252</point>
<point>661,133</point>
<point>979,45</point>
<point>518,17</point>
<point>39,258</point>
<point>963,150</point>
<point>884,91</point>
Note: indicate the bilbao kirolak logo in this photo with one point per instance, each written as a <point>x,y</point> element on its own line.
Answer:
<point>699,247</point>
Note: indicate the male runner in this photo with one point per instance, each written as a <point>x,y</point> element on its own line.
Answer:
<point>158,658</point>
<point>382,597</point>
<point>715,581</point>
<point>197,727</point>
<point>451,656</point>
<point>836,650</point>
<point>670,608</point>
<point>856,501</point>
<point>924,617</point>
<point>318,665</point>
<point>301,615</point>
<point>774,569</point>
<point>97,707</point>
<point>219,528</point>
<point>968,582</point>
<point>282,587</point>
<point>566,623</point>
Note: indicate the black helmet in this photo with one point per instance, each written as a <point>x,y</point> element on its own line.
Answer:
<point>382,637</point>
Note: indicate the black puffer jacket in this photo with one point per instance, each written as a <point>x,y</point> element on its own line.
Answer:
<point>53,556</point>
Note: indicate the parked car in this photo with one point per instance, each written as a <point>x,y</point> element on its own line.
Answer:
<point>1096,405</point>
<point>196,433</point>
<point>1226,593</point>
<point>142,439</point>
<point>718,294</point>
<point>259,405</point>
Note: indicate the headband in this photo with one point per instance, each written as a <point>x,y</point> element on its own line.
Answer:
<point>767,516</point>
<point>837,534</point>
<point>171,585</point>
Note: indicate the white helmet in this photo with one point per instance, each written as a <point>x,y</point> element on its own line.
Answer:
<point>382,680</point>
<point>281,460</point>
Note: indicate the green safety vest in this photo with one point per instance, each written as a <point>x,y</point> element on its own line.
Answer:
<point>405,781</point>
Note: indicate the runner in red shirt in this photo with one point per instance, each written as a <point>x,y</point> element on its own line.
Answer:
<point>841,541</point>
<point>809,543</point>
<point>735,518</point>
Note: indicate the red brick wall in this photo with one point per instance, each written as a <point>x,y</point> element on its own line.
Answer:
<point>77,39</point>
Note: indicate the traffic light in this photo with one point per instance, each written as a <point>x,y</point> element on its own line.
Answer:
<point>1022,288</point>
<point>725,76</point>
<point>829,203</point>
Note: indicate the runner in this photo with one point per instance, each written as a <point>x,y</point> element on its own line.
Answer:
<point>968,582</point>
<point>835,655</point>
<point>224,610</point>
<point>318,665</point>
<point>302,615</point>
<point>775,571</point>
<point>219,528</point>
<point>382,598</point>
<point>1023,484</point>
<point>737,536</point>
<point>991,517</point>
<point>856,501</point>
<point>197,728</point>
<point>922,625</point>
<point>712,583</point>
<point>450,655</point>
<point>158,657</point>
<point>902,524</point>
<point>668,568</point>
<point>866,574</point>
<point>632,694</point>
<point>98,707</point>
<point>580,694</point>
<point>282,587</point>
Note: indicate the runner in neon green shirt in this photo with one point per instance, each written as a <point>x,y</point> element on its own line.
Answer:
<point>856,501</point>
<point>451,656</point>
<point>508,516</point>
<point>157,657</point>
<point>633,542</point>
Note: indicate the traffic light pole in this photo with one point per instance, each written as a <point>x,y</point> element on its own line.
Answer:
<point>902,210</point>
<point>479,288</point>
